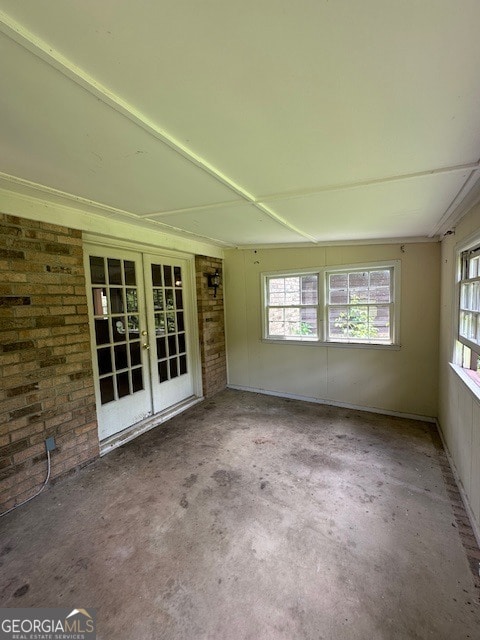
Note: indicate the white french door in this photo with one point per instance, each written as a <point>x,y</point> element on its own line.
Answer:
<point>167,315</point>
<point>141,327</point>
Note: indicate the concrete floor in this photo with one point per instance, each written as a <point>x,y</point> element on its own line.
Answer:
<point>252,517</point>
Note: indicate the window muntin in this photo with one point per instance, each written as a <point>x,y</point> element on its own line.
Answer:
<point>468,347</point>
<point>292,307</point>
<point>117,336</point>
<point>351,304</point>
<point>359,306</point>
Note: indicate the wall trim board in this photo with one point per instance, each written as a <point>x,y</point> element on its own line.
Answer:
<point>463,493</point>
<point>144,247</point>
<point>467,381</point>
<point>337,243</point>
<point>333,403</point>
<point>86,220</point>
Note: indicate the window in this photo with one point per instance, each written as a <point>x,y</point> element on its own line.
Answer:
<point>360,306</point>
<point>348,304</point>
<point>292,306</point>
<point>468,345</point>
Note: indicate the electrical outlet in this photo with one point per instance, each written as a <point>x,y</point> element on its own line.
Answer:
<point>50,444</point>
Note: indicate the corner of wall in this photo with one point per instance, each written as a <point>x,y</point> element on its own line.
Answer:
<point>211,325</point>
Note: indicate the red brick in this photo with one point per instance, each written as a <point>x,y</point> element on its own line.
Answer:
<point>211,326</point>
<point>30,452</point>
<point>48,388</point>
<point>27,432</point>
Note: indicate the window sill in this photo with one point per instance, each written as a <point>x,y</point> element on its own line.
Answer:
<point>467,380</point>
<point>341,345</point>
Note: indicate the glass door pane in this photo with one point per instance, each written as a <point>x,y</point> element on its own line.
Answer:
<point>169,344</point>
<point>140,308</point>
<point>117,335</point>
<point>122,369</point>
<point>167,297</point>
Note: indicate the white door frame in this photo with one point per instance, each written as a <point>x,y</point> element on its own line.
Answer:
<point>91,241</point>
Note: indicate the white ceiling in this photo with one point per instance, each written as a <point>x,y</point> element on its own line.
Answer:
<point>248,122</point>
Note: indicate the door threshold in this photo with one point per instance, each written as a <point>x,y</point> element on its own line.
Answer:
<point>118,439</point>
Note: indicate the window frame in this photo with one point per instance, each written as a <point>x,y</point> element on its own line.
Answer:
<point>322,338</point>
<point>391,305</point>
<point>265,306</point>
<point>467,352</point>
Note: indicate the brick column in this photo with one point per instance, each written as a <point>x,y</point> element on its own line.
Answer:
<point>211,326</point>
<point>46,380</point>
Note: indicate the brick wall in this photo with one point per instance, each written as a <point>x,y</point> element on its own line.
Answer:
<point>46,386</point>
<point>211,326</point>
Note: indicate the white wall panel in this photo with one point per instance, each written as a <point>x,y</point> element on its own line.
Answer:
<point>403,381</point>
<point>459,408</point>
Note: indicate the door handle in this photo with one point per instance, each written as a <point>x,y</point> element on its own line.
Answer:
<point>145,345</point>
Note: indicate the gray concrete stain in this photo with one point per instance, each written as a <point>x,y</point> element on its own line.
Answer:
<point>252,517</point>
<point>226,478</point>
<point>191,480</point>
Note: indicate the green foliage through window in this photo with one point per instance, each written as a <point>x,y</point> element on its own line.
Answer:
<point>304,330</point>
<point>358,321</point>
<point>345,305</point>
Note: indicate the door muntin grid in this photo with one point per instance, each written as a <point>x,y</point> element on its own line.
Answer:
<point>169,321</point>
<point>117,327</point>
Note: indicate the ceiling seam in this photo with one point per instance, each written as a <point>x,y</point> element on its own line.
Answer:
<point>194,209</point>
<point>472,166</point>
<point>34,186</point>
<point>39,48</point>
<point>64,194</point>
<point>342,243</point>
<point>455,210</point>
<point>26,39</point>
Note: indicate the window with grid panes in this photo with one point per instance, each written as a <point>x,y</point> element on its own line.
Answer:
<point>347,304</point>
<point>169,321</point>
<point>117,335</point>
<point>468,345</point>
<point>292,307</point>
<point>359,306</point>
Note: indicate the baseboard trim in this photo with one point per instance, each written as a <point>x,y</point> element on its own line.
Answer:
<point>475,525</point>
<point>139,428</point>
<point>333,403</point>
